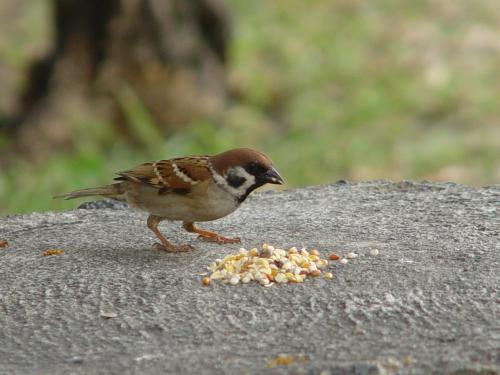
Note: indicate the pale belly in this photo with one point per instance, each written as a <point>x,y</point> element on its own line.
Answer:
<point>218,203</point>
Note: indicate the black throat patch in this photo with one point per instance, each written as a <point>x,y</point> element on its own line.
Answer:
<point>249,190</point>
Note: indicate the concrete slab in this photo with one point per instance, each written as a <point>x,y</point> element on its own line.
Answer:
<point>428,304</point>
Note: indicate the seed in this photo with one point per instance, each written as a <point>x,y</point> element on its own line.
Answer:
<point>344,261</point>
<point>212,267</point>
<point>333,256</point>
<point>246,279</point>
<point>253,252</point>
<point>328,275</point>
<point>52,252</point>
<point>262,262</point>
<point>313,257</point>
<point>351,255</point>
<point>374,252</point>
<point>280,278</point>
<point>265,270</point>
<point>280,252</point>
<point>300,278</point>
<point>206,281</point>
<point>268,266</point>
<point>108,315</point>
<point>4,243</point>
<point>322,263</point>
<point>408,360</point>
<point>281,360</point>
<point>217,275</point>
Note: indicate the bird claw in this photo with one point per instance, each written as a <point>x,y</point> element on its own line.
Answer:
<point>172,248</point>
<point>219,239</point>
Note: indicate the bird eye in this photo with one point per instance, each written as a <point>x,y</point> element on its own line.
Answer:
<point>252,167</point>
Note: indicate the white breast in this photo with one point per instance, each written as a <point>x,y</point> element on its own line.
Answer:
<point>217,203</point>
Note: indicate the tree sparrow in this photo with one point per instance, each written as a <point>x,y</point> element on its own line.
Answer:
<point>189,189</point>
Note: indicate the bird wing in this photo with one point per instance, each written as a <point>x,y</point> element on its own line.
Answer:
<point>178,175</point>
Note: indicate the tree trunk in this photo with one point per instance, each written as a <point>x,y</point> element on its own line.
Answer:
<point>169,54</point>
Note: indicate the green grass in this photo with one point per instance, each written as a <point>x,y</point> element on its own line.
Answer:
<point>330,90</point>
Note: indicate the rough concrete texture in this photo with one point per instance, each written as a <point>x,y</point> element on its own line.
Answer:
<point>428,304</point>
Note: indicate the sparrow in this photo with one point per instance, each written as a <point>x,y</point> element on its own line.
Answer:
<point>189,189</point>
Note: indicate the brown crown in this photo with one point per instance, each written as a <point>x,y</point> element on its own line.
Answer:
<point>238,157</point>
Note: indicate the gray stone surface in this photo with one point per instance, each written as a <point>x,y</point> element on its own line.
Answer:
<point>428,304</point>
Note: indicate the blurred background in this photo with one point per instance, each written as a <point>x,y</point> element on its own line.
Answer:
<point>330,89</point>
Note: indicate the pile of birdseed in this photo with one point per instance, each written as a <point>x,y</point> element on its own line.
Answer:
<point>268,266</point>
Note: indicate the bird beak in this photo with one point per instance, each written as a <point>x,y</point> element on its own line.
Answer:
<point>272,177</point>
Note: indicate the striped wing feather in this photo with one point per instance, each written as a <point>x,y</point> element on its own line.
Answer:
<point>176,174</point>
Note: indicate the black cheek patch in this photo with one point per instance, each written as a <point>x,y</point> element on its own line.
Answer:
<point>249,190</point>
<point>235,181</point>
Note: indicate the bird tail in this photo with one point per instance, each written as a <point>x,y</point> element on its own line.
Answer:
<point>114,191</point>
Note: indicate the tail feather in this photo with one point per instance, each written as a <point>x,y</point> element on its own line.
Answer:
<point>109,191</point>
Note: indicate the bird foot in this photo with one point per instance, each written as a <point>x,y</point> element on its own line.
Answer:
<point>219,239</point>
<point>172,248</point>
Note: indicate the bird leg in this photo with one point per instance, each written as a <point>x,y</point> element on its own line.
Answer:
<point>165,245</point>
<point>209,236</point>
